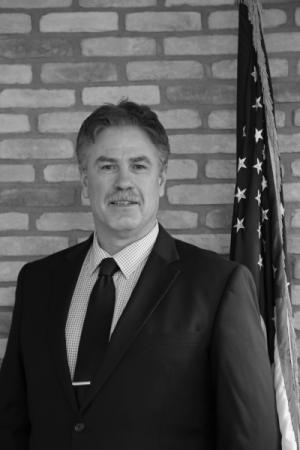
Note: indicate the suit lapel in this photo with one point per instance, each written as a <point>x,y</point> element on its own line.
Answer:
<point>156,279</point>
<point>64,278</point>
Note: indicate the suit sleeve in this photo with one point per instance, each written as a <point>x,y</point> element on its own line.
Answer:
<point>244,394</point>
<point>14,421</point>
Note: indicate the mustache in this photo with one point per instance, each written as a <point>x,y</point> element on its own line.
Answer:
<point>123,197</point>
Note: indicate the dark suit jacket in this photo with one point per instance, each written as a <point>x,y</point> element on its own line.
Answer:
<point>186,368</point>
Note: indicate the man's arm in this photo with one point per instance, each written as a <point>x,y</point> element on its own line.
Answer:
<point>14,421</point>
<point>245,400</point>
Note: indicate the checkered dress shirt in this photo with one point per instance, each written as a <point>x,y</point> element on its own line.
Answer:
<point>131,261</point>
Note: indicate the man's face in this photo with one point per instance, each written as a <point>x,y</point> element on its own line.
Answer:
<point>123,180</point>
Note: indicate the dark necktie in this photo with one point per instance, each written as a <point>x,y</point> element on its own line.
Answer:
<point>96,328</point>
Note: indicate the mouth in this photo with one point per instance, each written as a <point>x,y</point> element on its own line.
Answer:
<point>123,203</point>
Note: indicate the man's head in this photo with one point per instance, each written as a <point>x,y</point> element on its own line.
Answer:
<point>122,151</point>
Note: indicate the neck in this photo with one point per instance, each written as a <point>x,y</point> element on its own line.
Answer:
<point>116,243</point>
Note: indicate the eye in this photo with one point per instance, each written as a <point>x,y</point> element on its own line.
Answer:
<point>139,166</point>
<point>108,167</point>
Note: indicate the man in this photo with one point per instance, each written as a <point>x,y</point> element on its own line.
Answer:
<point>176,360</point>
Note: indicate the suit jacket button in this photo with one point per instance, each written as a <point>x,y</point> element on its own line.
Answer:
<point>78,427</point>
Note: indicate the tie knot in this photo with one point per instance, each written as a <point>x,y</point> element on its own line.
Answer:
<point>108,266</point>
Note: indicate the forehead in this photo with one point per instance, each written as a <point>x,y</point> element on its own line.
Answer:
<point>124,141</point>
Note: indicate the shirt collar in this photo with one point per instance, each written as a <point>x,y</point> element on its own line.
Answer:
<point>129,258</point>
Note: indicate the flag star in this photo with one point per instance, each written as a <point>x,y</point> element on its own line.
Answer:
<point>254,74</point>
<point>258,165</point>
<point>239,224</point>
<point>260,261</point>
<point>264,184</point>
<point>240,194</point>
<point>265,214</point>
<point>244,131</point>
<point>258,135</point>
<point>259,230</point>
<point>242,164</point>
<point>282,210</point>
<point>258,198</point>
<point>257,104</point>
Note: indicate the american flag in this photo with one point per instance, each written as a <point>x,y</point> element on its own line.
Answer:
<point>258,229</point>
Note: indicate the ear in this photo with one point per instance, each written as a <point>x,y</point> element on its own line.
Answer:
<point>84,183</point>
<point>162,182</point>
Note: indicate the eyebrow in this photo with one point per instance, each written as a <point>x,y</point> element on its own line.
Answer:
<point>114,160</point>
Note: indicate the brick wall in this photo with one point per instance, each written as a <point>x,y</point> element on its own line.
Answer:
<point>59,59</point>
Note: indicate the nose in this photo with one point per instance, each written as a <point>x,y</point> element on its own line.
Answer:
<point>123,179</point>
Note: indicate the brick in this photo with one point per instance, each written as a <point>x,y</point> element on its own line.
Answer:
<point>295,297</point>
<point>225,69</point>
<point>286,92</point>
<point>283,42</point>
<point>291,192</point>
<point>222,119</point>
<point>289,143</point>
<point>280,118</point>
<point>296,167</point>
<point>279,67</point>
<point>293,244</point>
<point>170,70</point>
<point>118,46</point>
<point>64,122</point>
<point>37,197</point>
<point>116,3</point>
<point>141,94</point>
<point>15,74</point>
<point>295,222</point>
<point>216,242</point>
<point>32,4</point>
<point>76,22</point>
<point>31,245</point>
<point>204,194</point>
<point>3,343</point>
<point>14,123</point>
<point>7,296</point>
<point>178,219</point>
<point>15,23</point>
<point>36,48</point>
<point>36,98</point>
<point>17,172</point>
<point>296,320</point>
<point>179,169</point>
<point>297,16</point>
<point>36,148</point>
<point>273,17</point>
<point>202,143</point>
<point>199,2</point>
<point>78,72</point>
<point>219,218</point>
<point>163,21</point>
<point>5,321</point>
<point>9,270</point>
<point>180,118</point>
<point>297,117</point>
<point>220,168</point>
<point>65,221</point>
<point>297,269</point>
<point>204,93</point>
<point>14,221</point>
<point>61,172</point>
<point>201,45</point>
